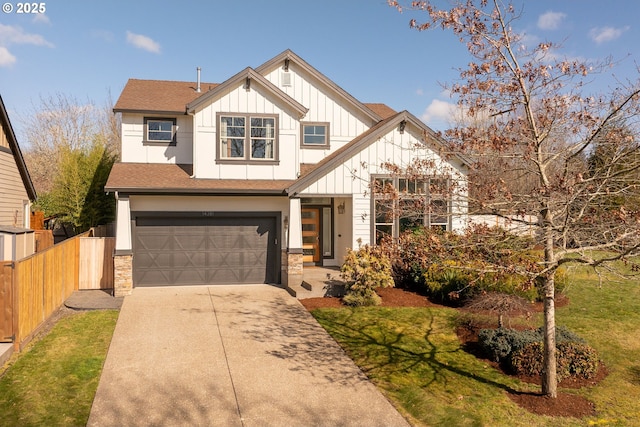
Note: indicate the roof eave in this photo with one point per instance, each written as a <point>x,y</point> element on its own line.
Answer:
<point>289,54</point>
<point>248,73</point>
<point>359,143</point>
<point>155,112</point>
<point>17,153</point>
<point>195,191</point>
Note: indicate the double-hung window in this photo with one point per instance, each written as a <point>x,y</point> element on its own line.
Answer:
<point>245,137</point>
<point>160,130</point>
<point>401,204</point>
<point>315,135</point>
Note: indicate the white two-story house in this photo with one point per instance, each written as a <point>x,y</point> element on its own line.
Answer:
<point>256,178</point>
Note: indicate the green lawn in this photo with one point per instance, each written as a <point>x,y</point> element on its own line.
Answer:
<point>415,357</point>
<point>54,381</point>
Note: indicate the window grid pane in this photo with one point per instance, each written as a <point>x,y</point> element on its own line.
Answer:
<point>159,130</point>
<point>262,137</point>
<point>420,203</point>
<point>232,132</point>
<point>314,135</point>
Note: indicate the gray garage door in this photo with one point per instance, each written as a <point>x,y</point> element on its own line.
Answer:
<point>204,250</point>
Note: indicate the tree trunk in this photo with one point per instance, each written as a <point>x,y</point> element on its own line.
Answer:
<point>549,374</point>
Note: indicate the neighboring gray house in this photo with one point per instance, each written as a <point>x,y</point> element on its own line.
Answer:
<point>253,179</point>
<point>16,195</point>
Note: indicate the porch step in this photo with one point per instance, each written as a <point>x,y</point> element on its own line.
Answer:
<point>330,288</point>
<point>301,292</point>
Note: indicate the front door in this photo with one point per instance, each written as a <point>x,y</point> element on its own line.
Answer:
<point>311,235</point>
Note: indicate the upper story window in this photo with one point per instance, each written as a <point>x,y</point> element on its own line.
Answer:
<point>315,135</point>
<point>160,130</point>
<point>245,137</point>
<point>401,204</point>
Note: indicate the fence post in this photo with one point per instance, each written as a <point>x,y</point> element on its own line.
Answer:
<point>15,311</point>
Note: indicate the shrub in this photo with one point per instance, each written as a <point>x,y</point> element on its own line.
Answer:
<point>574,360</point>
<point>563,334</point>
<point>498,344</point>
<point>452,268</point>
<point>364,271</point>
<point>577,360</point>
<point>528,360</point>
<point>522,353</point>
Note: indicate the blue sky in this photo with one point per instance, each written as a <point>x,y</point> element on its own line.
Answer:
<point>88,49</point>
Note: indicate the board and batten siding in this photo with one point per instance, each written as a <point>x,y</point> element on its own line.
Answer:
<point>241,101</point>
<point>13,195</point>
<point>323,103</point>
<point>324,106</point>
<point>135,150</point>
<point>353,177</point>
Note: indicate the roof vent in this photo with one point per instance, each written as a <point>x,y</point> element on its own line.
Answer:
<point>198,81</point>
<point>285,78</point>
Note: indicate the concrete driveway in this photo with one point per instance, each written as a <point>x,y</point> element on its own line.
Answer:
<point>230,356</point>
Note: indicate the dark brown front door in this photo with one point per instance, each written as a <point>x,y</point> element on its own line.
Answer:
<point>311,235</point>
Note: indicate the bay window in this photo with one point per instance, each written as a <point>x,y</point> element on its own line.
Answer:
<point>401,204</point>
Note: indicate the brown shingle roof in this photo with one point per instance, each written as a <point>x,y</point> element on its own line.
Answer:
<point>165,96</point>
<point>159,95</point>
<point>167,178</point>
<point>382,110</point>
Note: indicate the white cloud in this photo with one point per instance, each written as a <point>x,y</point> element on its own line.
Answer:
<point>6,58</point>
<point>440,111</point>
<point>419,92</point>
<point>10,34</point>
<point>143,42</point>
<point>606,34</point>
<point>41,18</point>
<point>550,20</point>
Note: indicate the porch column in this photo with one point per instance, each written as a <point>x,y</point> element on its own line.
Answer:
<point>292,256</point>
<point>123,254</point>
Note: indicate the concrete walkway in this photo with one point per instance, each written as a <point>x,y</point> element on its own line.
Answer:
<point>230,356</point>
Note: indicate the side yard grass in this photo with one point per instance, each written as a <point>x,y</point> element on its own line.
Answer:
<point>415,357</point>
<point>53,382</point>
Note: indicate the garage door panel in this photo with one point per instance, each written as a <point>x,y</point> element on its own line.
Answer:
<point>174,251</point>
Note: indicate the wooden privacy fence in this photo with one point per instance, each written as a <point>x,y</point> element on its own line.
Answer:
<point>32,289</point>
<point>96,262</point>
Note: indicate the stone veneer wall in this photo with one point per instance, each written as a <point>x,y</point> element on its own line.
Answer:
<point>123,275</point>
<point>292,267</point>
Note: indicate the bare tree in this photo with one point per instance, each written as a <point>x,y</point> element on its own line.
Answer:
<point>542,121</point>
<point>61,123</point>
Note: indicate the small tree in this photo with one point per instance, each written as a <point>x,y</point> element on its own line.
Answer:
<point>364,271</point>
<point>502,304</point>
<point>77,195</point>
<point>537,111</point>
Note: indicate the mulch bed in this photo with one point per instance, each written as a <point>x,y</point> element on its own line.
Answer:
<point>565,405</point>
